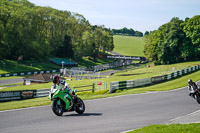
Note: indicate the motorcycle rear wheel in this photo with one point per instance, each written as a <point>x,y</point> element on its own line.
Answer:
<point>198,98</point>
<point>57,109</point>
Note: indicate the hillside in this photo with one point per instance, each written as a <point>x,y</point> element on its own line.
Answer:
<point>130,46</point>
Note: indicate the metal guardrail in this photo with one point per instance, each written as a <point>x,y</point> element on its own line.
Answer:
<point>17,95</point>
<point>23,94</point>
<point>42,93</point>
<point>28,94</point>
<point>129,84</point>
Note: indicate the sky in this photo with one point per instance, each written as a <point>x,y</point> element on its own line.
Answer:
<point>141,15</point>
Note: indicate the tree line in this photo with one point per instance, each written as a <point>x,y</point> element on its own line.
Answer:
<point>175,41</point>
<point>36,32</point>
<point>128,32</point>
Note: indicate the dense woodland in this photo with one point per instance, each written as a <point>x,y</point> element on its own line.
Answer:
<point>174,41</point>
<point>127,32</point>
<point>35,32</point>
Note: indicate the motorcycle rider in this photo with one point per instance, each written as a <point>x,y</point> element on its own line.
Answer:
<point>57,83</point>
<point>191,87</point>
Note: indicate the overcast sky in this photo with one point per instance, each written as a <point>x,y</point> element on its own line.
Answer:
<point>141,15</point>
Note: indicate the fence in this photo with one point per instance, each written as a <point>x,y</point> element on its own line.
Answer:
<point>85,87</point>
<point>23,94</point>
<point>28,94</point>
<point>83,73</point>
<point>96,86</point>
<point>111,65</point>
<point>100,85</point>
<point>120,85</point>
<point>72,72</point>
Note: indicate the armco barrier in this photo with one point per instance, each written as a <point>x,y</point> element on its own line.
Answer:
<point>120,85</point>
<point>27,94</point>
<point>23,94</point>
<point>42,92</point>
<point>17,95</point>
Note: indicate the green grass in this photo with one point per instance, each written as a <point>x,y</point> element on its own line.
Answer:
<point>129,46</point>
<point>86,61</point>
<point>174,128</point>
<point>11,77</point>
<point>25,103</point>
<point>145,71</point>
<point>25,66</point>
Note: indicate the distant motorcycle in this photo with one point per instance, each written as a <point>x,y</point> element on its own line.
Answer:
<point>196,94</point>
<point>63,102</point>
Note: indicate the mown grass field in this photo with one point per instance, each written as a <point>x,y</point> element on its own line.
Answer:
<point>174,128</point>
<point>129,46</point>
<point>25,66</point>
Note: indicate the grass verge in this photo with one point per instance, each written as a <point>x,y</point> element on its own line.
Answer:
<point>11,66</point>
<point>173,128</point>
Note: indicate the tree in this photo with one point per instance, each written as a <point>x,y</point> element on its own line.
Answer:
<point>169,44</point>
<point>126,31</point>
<point>192,30</point>
<point>138,33</point>
<point>146,33</point>
<point>66,49</point>
<point>151,46</point>
<point>39,32</point>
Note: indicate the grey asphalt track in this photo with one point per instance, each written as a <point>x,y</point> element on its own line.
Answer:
<point>107,115</point>
<point>10,81</point>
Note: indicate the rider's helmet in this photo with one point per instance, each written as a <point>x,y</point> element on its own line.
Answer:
<point>189,81</point>
<point>56,79</point>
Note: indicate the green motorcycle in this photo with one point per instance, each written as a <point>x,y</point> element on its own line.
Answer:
<point>63,102</point>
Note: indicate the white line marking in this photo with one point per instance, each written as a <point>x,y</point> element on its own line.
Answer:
<point>130,130</point>
<point>23,108</point>
<point>190,114</point>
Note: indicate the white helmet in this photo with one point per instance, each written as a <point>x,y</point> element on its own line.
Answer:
<point>189,81</point>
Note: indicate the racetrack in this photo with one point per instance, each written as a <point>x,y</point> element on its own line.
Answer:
<point>11,81</point>
<point>108,115</point>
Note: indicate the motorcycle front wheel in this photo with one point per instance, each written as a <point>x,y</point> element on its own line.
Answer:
<point>80,106</point>
<point>57,107</point>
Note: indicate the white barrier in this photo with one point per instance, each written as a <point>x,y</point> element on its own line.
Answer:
<point>141,82</point>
